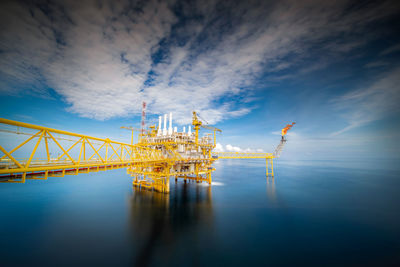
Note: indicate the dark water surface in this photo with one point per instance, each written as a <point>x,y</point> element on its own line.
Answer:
<point>307,215</point>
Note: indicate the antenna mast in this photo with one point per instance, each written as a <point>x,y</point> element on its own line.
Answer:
<point>143,118</point>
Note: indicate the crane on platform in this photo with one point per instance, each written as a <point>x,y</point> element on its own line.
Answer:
<point>198,123</point>
<point>133,129</point>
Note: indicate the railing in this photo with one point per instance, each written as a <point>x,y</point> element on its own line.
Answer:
<point>86,151</point>
<point>242,155</point>
<point>269,163</point>
<point>77,152</point>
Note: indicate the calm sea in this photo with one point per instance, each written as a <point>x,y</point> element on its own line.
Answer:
<point>310,214</point>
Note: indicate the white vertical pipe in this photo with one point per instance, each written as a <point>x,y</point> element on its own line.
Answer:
<point>184,129</point>
<point>175,129</point>
<point>165,125</point>
<point>159,125</point>
<point>190,130</point>
<point>170,124</point>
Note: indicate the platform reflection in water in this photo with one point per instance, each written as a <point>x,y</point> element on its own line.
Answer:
<point>164,226</point>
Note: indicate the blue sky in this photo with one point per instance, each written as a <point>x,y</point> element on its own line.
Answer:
<point>249,67</point>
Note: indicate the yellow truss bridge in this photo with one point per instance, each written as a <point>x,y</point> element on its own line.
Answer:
<point>44,152</point>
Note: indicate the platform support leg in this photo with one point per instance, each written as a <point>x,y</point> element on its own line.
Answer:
<point>269,172</point>
<point>272,167</point>
<point>166,186</point>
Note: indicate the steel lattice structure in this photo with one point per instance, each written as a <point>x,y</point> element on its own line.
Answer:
<point>152,162</point>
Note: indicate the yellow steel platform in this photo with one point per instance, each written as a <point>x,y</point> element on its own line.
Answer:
<point>151,162</point>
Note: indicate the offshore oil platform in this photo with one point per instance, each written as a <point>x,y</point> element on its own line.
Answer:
<point>160,154</point>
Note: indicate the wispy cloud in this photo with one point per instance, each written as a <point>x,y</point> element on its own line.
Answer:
<point>391,49</point>
<point>105,58</point>
<point>365,105</point>
<point>377,64</point>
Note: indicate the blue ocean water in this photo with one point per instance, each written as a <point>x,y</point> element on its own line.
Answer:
<point>309,214</point>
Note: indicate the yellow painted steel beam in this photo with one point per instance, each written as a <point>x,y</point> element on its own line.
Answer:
<point>32,126</point>
<point>23,143</point>
<point>47,147</point>
<point>96,151</point>
<point>242,155</point>
<point>11,157</point>
<point>127,150</point>
<point>57,167</point>
<point>54,166</point>
<point>71,147</point>
<point>115,152</point>
<point>34,150</point>
<point>61,147</point>
<point>80,154</point>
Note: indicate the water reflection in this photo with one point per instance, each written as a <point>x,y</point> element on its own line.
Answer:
<point>271,189</point>
<point>162,225</point>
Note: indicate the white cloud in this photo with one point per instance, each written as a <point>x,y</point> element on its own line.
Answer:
<point>98,56</point>
<point>219,148</point>
<point>230,148</point>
